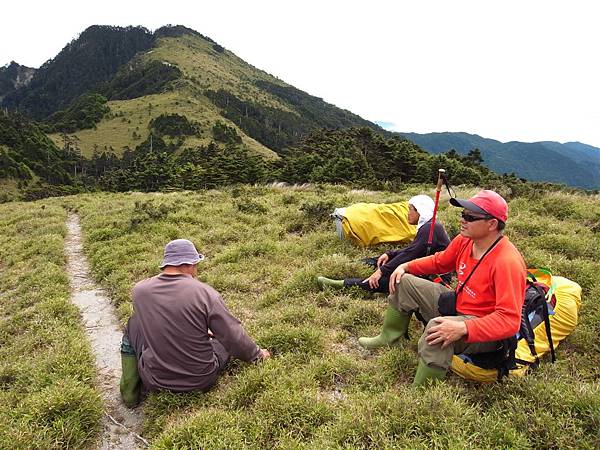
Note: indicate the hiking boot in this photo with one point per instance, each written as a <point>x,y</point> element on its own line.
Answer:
<point>395,326</point>
<point>372,262</point>
<point>322,281</point>
<point>426,373</point>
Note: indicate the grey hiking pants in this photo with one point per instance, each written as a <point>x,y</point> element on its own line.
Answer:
<point>419,296</point>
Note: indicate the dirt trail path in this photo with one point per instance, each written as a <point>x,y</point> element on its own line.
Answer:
<point>121,426</point>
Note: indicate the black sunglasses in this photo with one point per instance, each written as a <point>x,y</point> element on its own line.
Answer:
<point>470,218</point>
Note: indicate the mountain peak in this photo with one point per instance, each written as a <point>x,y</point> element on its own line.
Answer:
<point>178,31</point>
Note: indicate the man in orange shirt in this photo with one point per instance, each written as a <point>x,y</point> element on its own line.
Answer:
<point>487,300</point>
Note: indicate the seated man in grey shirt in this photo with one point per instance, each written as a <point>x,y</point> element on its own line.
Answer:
<point>181,331</point>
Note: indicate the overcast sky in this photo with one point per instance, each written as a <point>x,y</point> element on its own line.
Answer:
<point>523,70</point>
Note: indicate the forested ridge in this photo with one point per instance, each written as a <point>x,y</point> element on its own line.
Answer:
<point>355,156</point>
<point>571,163</point>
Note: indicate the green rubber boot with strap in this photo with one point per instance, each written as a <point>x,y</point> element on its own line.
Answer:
<point>322,281</point>
<point>426,373</point>
<point>395,326</point>
<point>131,383</point>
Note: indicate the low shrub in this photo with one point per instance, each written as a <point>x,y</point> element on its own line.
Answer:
<point>250,206</point>
<point>148,211</point>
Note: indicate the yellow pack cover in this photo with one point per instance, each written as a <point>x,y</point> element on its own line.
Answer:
<point>368,224</point>
<point>562,323</point>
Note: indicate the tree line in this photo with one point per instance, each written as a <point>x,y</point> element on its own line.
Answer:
<point>357,156</point>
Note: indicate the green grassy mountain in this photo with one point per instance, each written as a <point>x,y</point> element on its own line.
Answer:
<point>573,163</point>
<point>174,70</point>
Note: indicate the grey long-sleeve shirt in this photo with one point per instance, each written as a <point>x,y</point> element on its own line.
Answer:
<point>173,314</point>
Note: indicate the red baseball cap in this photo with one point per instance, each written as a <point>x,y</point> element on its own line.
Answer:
<point>485,202</point>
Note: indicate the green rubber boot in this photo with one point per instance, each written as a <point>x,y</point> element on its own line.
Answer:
<point>395,325</point>
<point>131,384</point>
<point>329,282</point>
<point>426,373</point>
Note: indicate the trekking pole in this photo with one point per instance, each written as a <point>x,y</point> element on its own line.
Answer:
<point>438,189</point>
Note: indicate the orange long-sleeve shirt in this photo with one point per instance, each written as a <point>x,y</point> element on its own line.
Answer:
<point>494,293</point>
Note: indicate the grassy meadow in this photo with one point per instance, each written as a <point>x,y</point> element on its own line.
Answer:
<point>47,398</point>
<point>127,123</point>
<point>264,247</point>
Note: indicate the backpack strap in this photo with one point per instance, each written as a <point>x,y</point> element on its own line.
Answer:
<point>549,331</point>
<point>529,337</point>
<point>526,329</point>
<point>460,288</point>
<point>546,315</point>
<point>509,346</point>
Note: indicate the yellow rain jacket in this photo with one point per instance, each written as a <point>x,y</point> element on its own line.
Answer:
<point>368,224</point>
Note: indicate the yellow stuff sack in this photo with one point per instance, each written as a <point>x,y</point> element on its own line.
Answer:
<point>368,224</point>
<point>562,322</point>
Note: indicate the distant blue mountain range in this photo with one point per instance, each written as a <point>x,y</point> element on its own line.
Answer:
<point>572,163</point>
